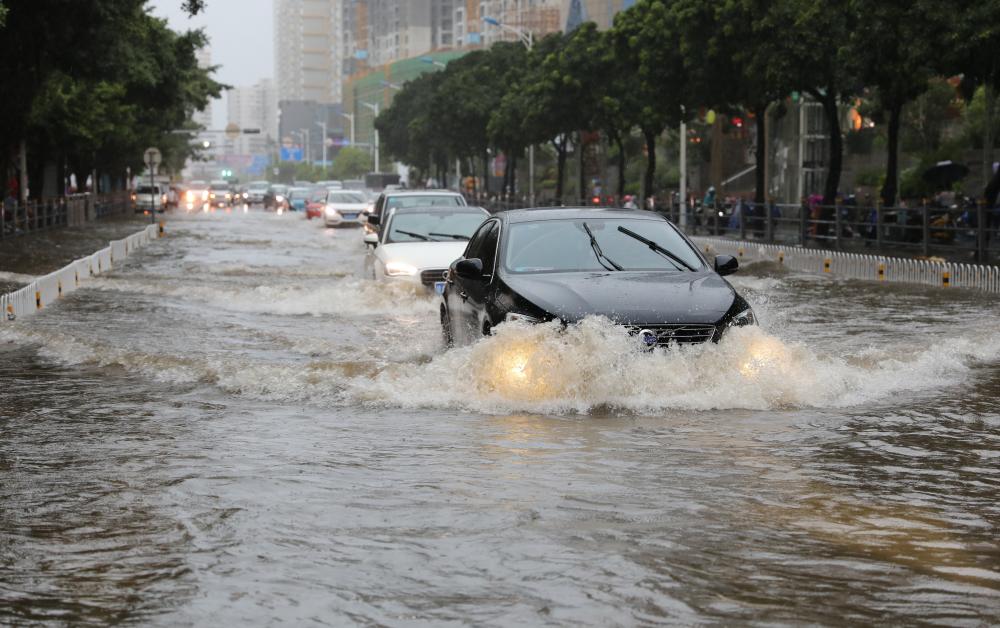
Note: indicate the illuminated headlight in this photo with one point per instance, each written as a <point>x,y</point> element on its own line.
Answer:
<point>279,198</point>
<point>745,318</point>
<point>228,196</point>
<point>524,318</point>
<point>245,195</point>
<point>211,195</point>
<point>189,196</point>
<point>399,269</point>
<point>332,212</point>
<point>204,196</point>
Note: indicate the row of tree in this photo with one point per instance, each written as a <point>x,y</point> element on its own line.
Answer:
<point>87,86</point>
<point>664,60</point>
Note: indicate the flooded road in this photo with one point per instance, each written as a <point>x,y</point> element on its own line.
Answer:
<point>234,427</point>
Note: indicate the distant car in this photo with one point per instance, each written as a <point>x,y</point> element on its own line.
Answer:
<point>149,198</point>
<point>415,198</point>
<point>316,203</point>
<point>633,267</point>
<point>417,244</point>
<point>220,194</point>
<point>354,184</point>
<point>256,191</point>
<point>196,195</point>
<point>331,184</point>
<point>344,208</point>
<point>298,197</point>
<point>277,197</point>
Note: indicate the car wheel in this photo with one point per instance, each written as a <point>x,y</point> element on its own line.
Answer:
<point>449,338</point>
<point>487,328</point>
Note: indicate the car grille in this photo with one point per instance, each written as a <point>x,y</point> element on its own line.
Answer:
<point>681,334</point>
<point>430,277</point>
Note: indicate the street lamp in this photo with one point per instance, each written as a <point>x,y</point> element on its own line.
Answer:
<point>528,39</point>
<point>323,126</point>
<point>375,109</point>
<point>350,116</point>
<point>433,61</point>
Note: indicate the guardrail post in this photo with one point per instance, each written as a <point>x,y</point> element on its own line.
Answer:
<point>926,226</point>
<point>981,231</point>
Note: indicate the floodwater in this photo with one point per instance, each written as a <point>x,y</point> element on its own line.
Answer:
<point>235,428</point>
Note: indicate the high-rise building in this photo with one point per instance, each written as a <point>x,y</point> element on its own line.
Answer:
<point>203,118</point>
<point>602,12</point>
<point>307,52</point>
<point>540,17</point>
<point>254,107</point>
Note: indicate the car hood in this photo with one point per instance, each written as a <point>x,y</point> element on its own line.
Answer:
<point>638,298</point>
<point>423,255</point>
<point>347,207</point>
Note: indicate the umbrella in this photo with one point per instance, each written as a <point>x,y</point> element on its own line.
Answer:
<point>944,174</point>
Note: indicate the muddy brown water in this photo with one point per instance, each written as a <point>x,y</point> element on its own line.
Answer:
<point>235,428</point>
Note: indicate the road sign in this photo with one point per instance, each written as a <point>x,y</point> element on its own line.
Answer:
<point>152,157</point>
<point>232,130</point>
<point>291,154</point>
<point>251,131</point>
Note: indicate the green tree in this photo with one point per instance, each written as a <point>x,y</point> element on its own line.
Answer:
<point>647,39</point>
<point>352,163</point>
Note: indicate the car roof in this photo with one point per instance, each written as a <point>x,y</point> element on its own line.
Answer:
<point>402,192</point>
<point>574,213</point>
<point>430,209</point>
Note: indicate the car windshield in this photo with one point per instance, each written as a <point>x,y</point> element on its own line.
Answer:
<point>552,246</point>
<point>220,185</point>
<point>318,195</point>
<point>145,189</point>
<point>279,189</point>
<point>424,200</point>
<point>441,226</point>
<point>299,192</point>
<point>344,197</point>
<point>258,186</point>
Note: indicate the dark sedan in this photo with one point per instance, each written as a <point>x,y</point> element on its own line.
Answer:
<point>634,267</point>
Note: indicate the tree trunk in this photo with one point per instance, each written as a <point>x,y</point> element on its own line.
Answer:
<point>512,164</point>
<point>891,188</point>
<point>582,174</point>
<point>830,189</point>
<point>989,96</point>
<point>621,166</point>
<point>760,156</point>
<point>647,183</point>
<point>560,168</point>
<point>486,173</point>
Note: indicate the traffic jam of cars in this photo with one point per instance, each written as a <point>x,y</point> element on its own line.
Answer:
<point>527,266</point>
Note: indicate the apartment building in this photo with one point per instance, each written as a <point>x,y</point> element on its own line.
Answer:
<point>307,51</point>
<point>254,107</point>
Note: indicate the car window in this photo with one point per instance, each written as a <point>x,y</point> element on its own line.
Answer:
<point>441,226</point>
<point>344,197</point>
<point>475,248</point>
<point>564,246</point>
<point>423,200</point>
<point>488,252</point>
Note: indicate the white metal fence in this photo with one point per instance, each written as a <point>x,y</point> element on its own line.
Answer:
<point>858,266</point>
<point>52,287</point>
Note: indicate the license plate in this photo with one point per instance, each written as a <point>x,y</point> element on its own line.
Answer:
<point>439,287</point>
<point>350,216</point>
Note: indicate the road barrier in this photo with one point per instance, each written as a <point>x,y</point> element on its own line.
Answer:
<point>48,289</point>
<point>927,272</point>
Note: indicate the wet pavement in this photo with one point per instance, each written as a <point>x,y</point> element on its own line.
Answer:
<point>235,428</point>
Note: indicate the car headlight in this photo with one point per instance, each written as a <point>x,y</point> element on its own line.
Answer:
<point>400,269</point>
<point>745,318</point>
<point>524,318</point>
<point>211,195</point>
<point>279,198</point>
<point>245,195</point>
<point>204,196</point>
<point>332,212</point>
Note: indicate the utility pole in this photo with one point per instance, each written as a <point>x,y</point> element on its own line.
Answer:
<point>683,190</point>
<point>375,109</point>
<point>323,126</point>
<point>350,116</point>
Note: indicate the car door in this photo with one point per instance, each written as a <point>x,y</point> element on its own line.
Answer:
<point>467,298</point>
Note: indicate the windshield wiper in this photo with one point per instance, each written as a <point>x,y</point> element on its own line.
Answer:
<point>453,236</point>
<point>416,235</point>
<point>601,257</point>
<point>653,246</point>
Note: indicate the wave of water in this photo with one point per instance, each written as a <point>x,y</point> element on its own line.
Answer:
<point>548,369</point>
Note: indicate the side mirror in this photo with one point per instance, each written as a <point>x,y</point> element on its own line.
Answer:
<point>726,264</point>
<point>371,239</point>
<point>374,219</point>
<point>469,268</point>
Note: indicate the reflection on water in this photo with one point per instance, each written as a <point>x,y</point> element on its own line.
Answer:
<point>236,429</point>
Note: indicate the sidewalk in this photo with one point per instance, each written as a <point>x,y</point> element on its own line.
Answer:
<point>46,251</point>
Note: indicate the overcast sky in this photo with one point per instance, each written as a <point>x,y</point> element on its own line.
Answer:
<point>240,32</point>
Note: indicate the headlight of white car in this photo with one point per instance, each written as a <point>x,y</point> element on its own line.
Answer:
<point>331,212</point>
<point>400,269</point>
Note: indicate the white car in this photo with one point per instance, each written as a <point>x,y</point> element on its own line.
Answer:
<point>344,208</point>
<point>418,244</point>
